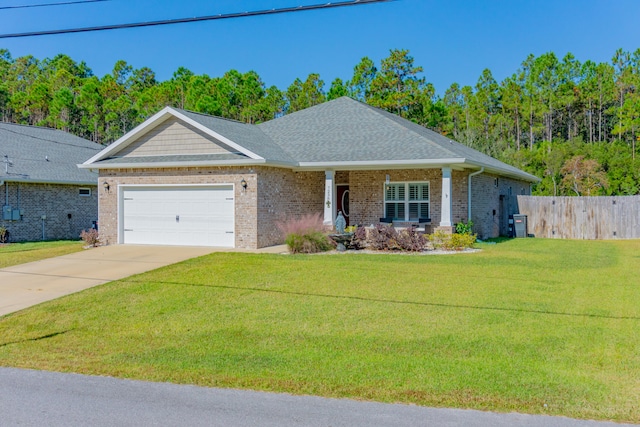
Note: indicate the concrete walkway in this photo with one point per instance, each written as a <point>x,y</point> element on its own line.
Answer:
<point>25,285</point>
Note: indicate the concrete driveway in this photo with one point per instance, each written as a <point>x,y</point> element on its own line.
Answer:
<point>24,285</point>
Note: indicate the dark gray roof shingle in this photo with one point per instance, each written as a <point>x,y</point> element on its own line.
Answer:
<point>41,154</point>
<point>246,135</point>
<point>345,130</point>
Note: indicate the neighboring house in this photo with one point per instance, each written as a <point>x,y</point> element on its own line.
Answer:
<point>183,178</point>
<point>43,194</point>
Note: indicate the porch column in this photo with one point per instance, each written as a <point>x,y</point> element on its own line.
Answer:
<point>445,215</point>
<point>329,198</point>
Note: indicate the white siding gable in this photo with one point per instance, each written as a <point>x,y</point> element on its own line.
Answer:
<point>174,137</point>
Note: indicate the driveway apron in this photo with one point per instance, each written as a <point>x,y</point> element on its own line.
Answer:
<point>25,285</point>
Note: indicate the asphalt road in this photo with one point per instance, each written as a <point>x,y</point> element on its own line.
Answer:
<point>36,398</point>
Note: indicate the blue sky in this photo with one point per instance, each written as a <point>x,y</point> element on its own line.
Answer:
<point>452,40</point>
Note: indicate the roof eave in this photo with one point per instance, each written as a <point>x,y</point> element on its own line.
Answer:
<point>203,163</point>
<point>386,164</point>
<point>505,172</point>
<point>151,123</point>
<point>47,181</point>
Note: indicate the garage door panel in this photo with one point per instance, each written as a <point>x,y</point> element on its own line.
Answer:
<point>194,216</point>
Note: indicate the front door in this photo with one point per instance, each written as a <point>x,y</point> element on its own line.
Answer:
<point>342,194</point>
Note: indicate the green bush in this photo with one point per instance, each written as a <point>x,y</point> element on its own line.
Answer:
<point>305,234</point>
<point>308,243</point>
<point>452,242</point>
<point>4,235</point>
<point>464,228</point>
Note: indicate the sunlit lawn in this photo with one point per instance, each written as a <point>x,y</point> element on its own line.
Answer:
<point>528,325</point>
<point>20,253</point>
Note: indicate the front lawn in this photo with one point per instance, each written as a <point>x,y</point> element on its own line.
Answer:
<point>21,253</point>
<point>527,325</point>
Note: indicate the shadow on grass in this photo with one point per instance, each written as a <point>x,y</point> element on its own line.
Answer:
<point>43,337</point>
<point>390,301</point>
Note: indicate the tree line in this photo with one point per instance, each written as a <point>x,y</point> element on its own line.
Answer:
<point>575,125</point>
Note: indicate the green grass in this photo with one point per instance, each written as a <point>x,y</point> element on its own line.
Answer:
<point>20,253</point>
<point>520,325</point>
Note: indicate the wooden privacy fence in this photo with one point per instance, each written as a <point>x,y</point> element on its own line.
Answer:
<point>582,217</point>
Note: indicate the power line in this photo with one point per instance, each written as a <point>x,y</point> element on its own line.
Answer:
<point>45,139</point>
<point>50,4</point>
<point>195,19</point>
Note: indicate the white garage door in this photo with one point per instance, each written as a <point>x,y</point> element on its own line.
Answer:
<point>181,215</point>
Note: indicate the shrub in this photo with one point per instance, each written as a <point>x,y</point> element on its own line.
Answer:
<point>410,240</point>
<point>309,243</point>
<point>4,235</point>
<point>359,239</point>
<point>464,228</point>
<point>305,234</point>
<point>90,237</point>
<point>451,242</point>
<point>383,238</point>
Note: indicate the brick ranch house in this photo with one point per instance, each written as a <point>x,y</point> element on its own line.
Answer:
<point>183,178</point>
<point>44,196</point>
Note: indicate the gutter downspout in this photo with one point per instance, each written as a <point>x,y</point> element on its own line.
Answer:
<point>469,192</point>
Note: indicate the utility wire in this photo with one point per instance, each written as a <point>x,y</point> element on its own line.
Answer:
<point>195,19</point>
<point>46,139</point>
<point>50,4</point>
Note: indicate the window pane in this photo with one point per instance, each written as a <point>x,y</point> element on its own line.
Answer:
<point>418,191</point>
<point>395,211</point>
<point>389,210</point>
<point>394,192</point>
<point>413,191</point>
<point>425,191</point>
<point>413,211</point>
<point>424,210</point>
<point>401,192</point>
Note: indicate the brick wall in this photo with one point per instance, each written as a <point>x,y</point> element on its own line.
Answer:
<point>275,194</point>
<point>67,213</point>
<point>245,200</point>
<point>272,195</point>
<point>366,191</point>
<point>285,194</point>
<point>487,208</point>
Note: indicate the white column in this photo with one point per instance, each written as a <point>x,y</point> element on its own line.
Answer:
<point>445,215</point>
<point>329,198</point>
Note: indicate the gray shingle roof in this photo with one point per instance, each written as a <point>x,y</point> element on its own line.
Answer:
<point>345,130</point>
<point>246,135</point>
<point>341,131</point>
<point>40,154</point>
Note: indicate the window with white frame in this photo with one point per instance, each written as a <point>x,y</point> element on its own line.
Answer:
<point>406,201</point>
<point>85,192</point>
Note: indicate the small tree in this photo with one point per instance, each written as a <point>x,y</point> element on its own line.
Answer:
<point>583,176</point>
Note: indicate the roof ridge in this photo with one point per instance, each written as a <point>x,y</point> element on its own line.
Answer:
<point>212,116</point>
<point>37,127</point>
<point>385,114</point>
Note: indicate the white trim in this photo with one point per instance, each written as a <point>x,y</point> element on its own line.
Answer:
<point>373,164</point>
<point>136,132</point>
<point>120,201</point>
<point>156,120</point>
<point>150,165</point>
<point>446,206</point>
<point>406,201</point>
<point>216,135</point>
<point>329,201</point>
